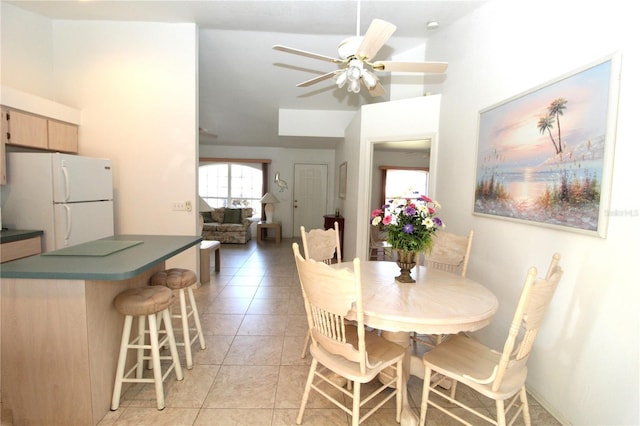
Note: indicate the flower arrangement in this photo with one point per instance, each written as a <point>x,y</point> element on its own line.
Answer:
<point>410,223</point>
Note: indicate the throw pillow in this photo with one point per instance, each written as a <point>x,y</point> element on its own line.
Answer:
<point>206,216</point>
<point>232,216</point>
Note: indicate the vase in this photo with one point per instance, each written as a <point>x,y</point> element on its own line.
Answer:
<point>406,261</point>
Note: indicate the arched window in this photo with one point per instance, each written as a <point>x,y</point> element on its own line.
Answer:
<point>231,185</point>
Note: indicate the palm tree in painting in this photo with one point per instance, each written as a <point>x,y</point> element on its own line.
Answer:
<point>556,109</point>
<point>545,124</point>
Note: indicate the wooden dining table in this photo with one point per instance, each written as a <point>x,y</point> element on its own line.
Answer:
<point>437,303</point>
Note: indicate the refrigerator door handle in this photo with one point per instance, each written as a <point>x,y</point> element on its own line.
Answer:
<point>65,173</point>
<point>67,234</point>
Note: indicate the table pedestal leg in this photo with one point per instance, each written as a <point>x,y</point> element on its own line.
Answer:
<point>408,417</point>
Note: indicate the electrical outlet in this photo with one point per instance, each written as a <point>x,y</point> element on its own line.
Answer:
<point>187,206</point>
<point>179,206</point>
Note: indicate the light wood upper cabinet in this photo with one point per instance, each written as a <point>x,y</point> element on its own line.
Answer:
<point>34,131</point>
<point>62,136</point>
<point>24,129</point>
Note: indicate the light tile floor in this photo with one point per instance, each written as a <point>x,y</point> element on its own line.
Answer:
<point>251,373</point>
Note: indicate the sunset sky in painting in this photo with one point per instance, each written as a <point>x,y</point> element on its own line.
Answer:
<point>510,129</point>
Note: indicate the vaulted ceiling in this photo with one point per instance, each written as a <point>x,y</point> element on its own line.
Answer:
<point>243,82</point>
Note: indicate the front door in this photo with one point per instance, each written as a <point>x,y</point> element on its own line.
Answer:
<point>309,196</point>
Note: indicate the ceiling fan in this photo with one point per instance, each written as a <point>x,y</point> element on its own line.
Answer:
<point>356,60</point>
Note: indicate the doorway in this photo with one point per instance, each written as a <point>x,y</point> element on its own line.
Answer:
<point>309,196</point>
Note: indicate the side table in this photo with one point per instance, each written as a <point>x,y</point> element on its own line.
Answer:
<point>263,226</point>
<point>205,259</point>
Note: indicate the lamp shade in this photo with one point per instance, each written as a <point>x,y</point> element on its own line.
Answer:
<point>269,198</point>
<point>203,206</point>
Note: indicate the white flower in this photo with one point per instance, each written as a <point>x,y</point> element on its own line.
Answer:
<point>428,222</point>
<point>376,220</point>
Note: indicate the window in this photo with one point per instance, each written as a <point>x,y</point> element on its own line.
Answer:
<point>231,185</point>
<point>403,183</point>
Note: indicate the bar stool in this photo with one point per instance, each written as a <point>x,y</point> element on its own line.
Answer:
<point>181,279</point>
<point>145,303</point>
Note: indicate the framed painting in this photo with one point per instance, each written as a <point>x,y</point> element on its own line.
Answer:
<point>342,180</point>
<point>545,156</point>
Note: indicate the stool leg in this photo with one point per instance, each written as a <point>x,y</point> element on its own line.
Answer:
<point>166,317</point>
<point>184,315</point>
<point>196,318</point>
<point>140,350</point>
<point>122,358</point>
<point>155,357</point>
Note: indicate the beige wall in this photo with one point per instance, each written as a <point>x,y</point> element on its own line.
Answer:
<point>136,87</point>
<point>585,363</point>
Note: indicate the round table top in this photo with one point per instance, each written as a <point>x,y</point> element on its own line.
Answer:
<point>437,303</point>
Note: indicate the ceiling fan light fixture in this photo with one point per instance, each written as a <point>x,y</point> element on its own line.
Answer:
<point>354,86</point>
<point>341,78</point>
<point>369,79</point>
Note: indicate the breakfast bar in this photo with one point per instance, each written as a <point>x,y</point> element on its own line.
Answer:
<point>60,332</point>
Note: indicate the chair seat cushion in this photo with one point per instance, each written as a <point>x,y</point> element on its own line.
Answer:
<point>470,362</point>
<point>175,278</point>
<point>143,300</point>
<point>381,353</point>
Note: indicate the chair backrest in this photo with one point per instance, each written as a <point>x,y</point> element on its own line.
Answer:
<point>330,294</point>
<point>322,244</point>
<point>450,252</point>
<point>532,307</point>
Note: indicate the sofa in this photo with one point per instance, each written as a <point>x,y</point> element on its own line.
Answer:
<point>227,225</point>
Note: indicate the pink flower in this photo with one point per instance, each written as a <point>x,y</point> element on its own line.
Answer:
<point>376,212</point>
<point>426,199</point>
<point>386,220</point>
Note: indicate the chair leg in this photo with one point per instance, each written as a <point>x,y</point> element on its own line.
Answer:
<point>401,390</point>
<point>306,345</point>
<point>500,414</point>
<point>166,318</point>
<point>196,318</point>
<point>122,358</point>
<point>355,418</point>
<point>426,387</point>
<point>185,329</point>
<point>307,390</point>
<point>155,357</point>
<point>525,406</point>
<point>140,350</point>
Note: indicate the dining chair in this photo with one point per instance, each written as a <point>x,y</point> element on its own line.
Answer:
<point>499,376</point>
<point>450,252</point>
<point>378,244</point>
<point>342,346</point>
<point>320,245</point>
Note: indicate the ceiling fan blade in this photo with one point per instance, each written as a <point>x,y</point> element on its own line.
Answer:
<point>377,90</point>
<point>316,79</point>
<point>377,35</point>
<point>426,67</point>
<point>307,54</point>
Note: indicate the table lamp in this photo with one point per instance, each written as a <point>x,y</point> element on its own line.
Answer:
<point>202,207</point>
<point>269,200</point>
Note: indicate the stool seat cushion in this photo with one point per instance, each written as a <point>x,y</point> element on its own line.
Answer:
<point>143,300</point>
<point>175,278</point>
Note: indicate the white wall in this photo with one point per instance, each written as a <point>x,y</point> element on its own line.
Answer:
<point>283,160</point>
<point>585,362</point>
<point>406,119</point>
<point>136,86</point>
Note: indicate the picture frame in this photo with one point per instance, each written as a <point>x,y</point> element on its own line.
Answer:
<point>342,180</point>
<point>544,157</point>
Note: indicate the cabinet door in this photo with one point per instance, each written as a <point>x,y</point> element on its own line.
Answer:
<point>3,140</point>
<point>62,136</point>
<point>25,129</point>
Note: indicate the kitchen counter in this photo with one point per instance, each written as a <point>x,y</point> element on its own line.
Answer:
<point>120,265</point>
<point>11,235</point>
<point>17,243</point>
<point>60,331</point>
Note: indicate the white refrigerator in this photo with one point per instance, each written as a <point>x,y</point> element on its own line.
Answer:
<point>69,197</point>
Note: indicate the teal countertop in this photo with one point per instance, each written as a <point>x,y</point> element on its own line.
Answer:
<point>120,265</point>
<point>11,235</point>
